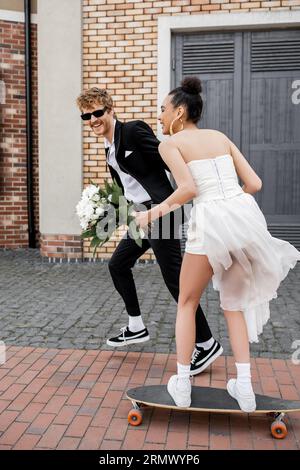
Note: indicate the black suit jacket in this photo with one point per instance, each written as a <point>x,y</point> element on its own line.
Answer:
<point>144,163</point>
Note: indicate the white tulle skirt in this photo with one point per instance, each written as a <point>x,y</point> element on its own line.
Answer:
<point>248,263</point>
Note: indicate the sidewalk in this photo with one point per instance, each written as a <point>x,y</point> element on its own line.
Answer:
<point>75,399</point>
<point>75,306</point>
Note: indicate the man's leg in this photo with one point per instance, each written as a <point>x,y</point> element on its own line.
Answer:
<point>207,349</point>
<point>168,255</point>
<point>120,267</point>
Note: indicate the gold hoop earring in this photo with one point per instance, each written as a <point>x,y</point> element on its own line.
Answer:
<point>172,123</point>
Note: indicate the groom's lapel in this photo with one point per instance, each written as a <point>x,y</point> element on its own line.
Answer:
<point>119,147</point>
<point>118,130</point>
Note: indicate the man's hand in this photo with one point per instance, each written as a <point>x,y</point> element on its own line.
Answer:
<point>142,219</point>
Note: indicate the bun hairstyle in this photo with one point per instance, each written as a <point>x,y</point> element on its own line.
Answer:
<point>191,85</point>
<point>188,95</point>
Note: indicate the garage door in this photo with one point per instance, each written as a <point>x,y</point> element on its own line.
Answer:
<point>247,91</point>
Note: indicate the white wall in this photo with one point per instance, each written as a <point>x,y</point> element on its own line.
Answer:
<point>60,129</point>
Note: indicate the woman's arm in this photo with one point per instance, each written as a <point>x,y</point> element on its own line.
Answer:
<point>186,188</point>
<point>252,182</point>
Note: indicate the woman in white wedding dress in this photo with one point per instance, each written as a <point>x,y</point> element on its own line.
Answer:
<point>227,239</point>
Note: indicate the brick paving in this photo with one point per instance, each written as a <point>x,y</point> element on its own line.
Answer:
<point>75,399</point>
<point>61,387</point>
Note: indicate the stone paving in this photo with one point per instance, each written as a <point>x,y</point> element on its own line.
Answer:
<point>75,305</point>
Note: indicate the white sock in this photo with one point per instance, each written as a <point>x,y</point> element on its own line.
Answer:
<point>207,344</point>
<point>244,377</point>
<point>183,373</point>
<point>136,324</point>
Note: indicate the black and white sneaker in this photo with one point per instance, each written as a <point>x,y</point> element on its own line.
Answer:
<point>202,358</point>
<point>128,337</point>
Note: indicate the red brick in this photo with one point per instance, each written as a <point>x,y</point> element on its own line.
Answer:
<point>176,440</point>
<point>289,392</point>
<point>35,386</point>
<point>97,367</point>
<point>41,423</point>
<point>157,431</point>
<point>4,404</point>
<point>117,429</point>
<point>13,433</point>
<point>78,426</point>
<point>27,377</point>
<point>27,442</point>
<point>119,383</point>
<point>66,414</point>
<point>123,409</point>
<point>284,377</point>
<point>135,439</point>
<point>99,390</point>
<point>148,446</point>
<point>103,417</point>
<point>6,382</point>
<point>92,438</point>
<point>219,442</point>
<point>30,412</point>
<point>52,436</point>
<point>110,445</point>
<point>199,429</point>
<point>21,401</point>
<point>107,375</point>
<point>112,399</point>
<point>12,392</point>
<point>45,394</point>
<point>138,377</point>
<point>68,443</point>
<point>78,397</point>
<point>6,419</point>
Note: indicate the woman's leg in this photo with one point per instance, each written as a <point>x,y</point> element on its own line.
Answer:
<point>195,274</point>
<point>238,335</point>
<point>234,283</point>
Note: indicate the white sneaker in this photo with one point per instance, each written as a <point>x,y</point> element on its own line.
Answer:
<point>181,393</point>
<point>246,402</point>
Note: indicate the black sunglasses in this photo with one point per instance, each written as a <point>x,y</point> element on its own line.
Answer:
<point>98,113</point>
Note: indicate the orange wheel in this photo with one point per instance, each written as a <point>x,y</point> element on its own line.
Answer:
<point>278,430</point>
<point>135,417</point>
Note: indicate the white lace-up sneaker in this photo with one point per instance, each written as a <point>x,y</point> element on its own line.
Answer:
<point>180,391</point>
<point>247,401</point>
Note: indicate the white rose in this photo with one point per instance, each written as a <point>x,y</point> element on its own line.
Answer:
<point>90,191</point>
<point>96,198</point>
<point>99,211</point>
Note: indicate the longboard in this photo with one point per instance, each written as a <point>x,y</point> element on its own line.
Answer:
<point>208,399</point>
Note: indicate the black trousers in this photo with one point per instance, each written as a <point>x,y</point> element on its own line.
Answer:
<point>168,255</point>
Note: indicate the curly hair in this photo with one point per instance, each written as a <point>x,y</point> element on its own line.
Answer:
<point>94,95</point>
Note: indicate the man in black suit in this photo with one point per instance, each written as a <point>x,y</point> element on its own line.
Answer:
<point>134,162</point>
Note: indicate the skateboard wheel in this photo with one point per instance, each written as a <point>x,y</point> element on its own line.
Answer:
<point>135,417</point>
<point>278,430</point>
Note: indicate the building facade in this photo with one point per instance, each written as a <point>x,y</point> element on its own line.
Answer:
<point>247,54</point>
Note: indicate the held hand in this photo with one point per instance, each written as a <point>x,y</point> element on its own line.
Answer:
<point>142,219</point>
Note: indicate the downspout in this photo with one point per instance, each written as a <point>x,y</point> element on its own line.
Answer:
<point>28,84</point>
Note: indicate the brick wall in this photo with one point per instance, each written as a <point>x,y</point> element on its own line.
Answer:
<point>120,53</point>
<point>13,185</point>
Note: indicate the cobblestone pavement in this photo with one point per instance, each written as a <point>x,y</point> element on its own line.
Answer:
<point>61,305</point>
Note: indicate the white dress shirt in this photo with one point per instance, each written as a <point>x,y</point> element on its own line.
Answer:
<point>133,191</point>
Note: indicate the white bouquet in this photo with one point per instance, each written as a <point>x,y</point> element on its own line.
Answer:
<point>102,211</point>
